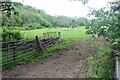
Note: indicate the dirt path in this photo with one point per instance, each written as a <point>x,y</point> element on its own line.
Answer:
<point>63,64</point>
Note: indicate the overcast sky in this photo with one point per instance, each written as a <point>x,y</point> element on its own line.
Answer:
<point>65,7</point>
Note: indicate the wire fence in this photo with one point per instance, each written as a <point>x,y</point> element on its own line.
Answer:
<point>19,50</point>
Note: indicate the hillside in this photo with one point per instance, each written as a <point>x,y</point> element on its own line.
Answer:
<point>28,18</point>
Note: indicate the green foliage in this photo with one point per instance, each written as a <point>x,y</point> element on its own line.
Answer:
<point>35,19</point>
<point>27,16</point>
<point>7,8</point>
<point>45,23</point>
<point>101,61</point>
<point>107,24</point>
<point>81,21</point>
<point>67,22</point>
<point>10,35</point>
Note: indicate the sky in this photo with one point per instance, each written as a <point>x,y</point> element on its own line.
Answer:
<point>65,7</point>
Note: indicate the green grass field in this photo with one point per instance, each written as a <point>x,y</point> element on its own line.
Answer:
<point>66,33</point>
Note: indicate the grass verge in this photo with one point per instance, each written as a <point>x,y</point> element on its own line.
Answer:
<point>101,61</point>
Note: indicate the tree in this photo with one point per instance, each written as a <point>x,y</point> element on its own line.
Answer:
<point>62,21</point>
<point>81,21</point>
<point>7,10</point>
<point>107,23</point>
<point>7,7</point>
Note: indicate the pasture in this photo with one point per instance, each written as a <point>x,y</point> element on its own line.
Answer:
<point>70,34</point>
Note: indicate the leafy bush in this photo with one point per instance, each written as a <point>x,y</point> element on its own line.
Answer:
<point>10,35</point>
<point>107,24</point>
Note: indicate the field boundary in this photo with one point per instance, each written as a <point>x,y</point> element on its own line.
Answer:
<point>19,50</point>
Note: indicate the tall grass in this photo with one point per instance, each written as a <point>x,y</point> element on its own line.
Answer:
<point>101,61</point>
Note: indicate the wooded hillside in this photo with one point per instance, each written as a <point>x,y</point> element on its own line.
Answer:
<point>31,18</point>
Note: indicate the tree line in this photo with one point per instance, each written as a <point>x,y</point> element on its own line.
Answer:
<point>28,17</point>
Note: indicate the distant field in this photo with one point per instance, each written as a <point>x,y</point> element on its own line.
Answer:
<point>66,33</point>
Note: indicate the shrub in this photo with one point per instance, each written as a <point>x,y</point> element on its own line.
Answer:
<point>10,35</point>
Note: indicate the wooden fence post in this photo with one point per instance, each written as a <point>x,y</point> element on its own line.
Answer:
<point>14,52</point>
<point>52,35</point>
<point>39,45</point>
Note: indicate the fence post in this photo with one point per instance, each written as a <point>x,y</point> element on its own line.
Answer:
<point>39,45</point>
<point>14,52</point>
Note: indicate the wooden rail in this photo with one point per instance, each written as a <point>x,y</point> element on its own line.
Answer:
<point>18,50</point>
